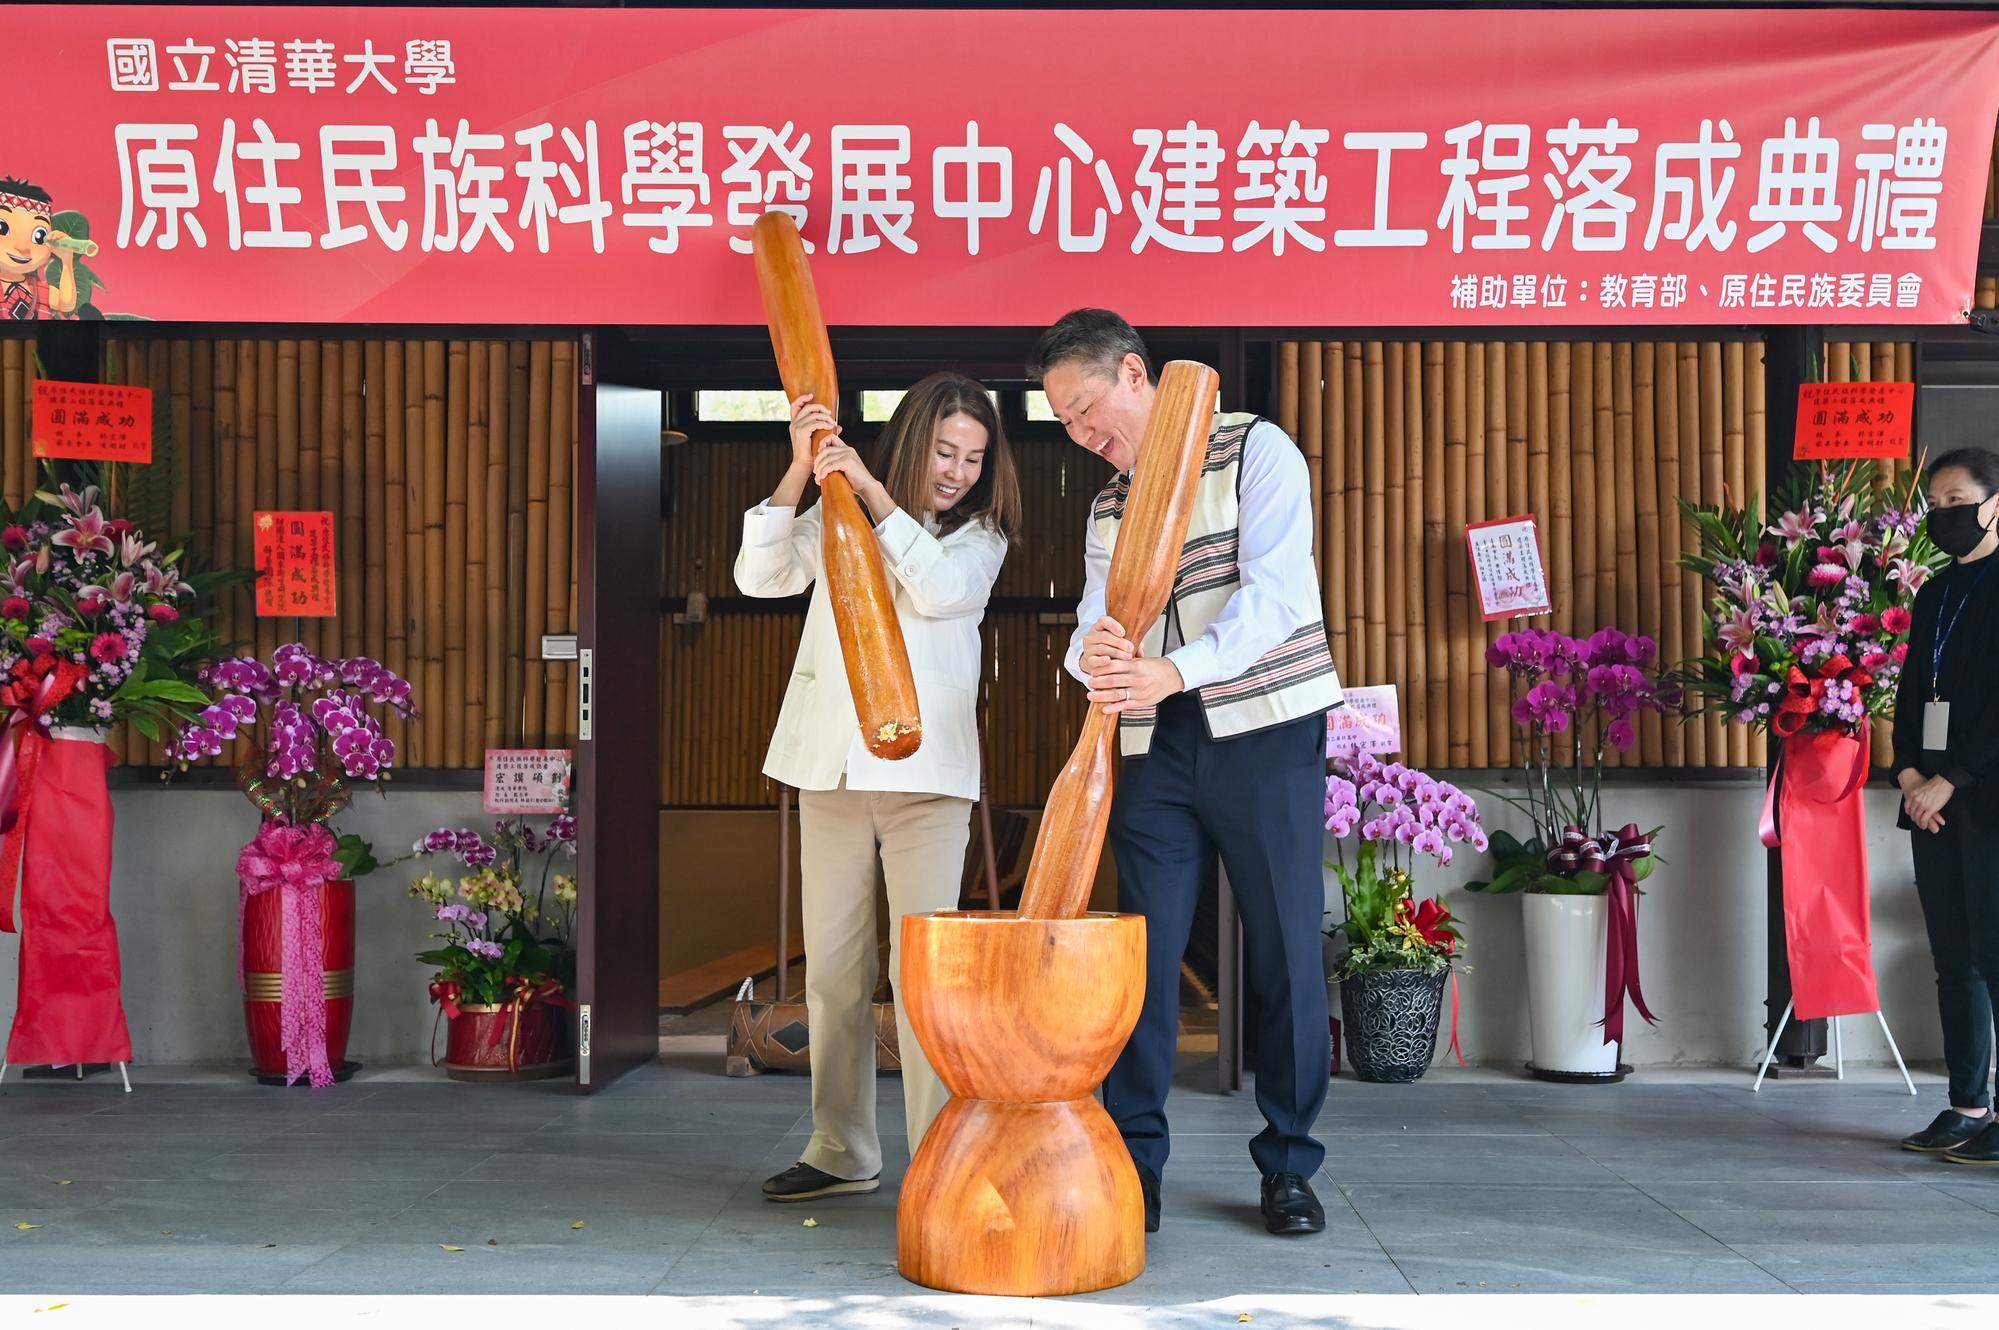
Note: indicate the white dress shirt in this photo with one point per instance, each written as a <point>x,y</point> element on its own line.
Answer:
<point>1279,593</point>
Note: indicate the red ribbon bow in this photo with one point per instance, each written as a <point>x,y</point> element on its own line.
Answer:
<point>1615,855</point>
<point>294,860</point>
<point>33,689</point>
<point>445,994</point>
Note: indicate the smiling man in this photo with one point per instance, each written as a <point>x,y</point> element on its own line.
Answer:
<point>1222,719</point>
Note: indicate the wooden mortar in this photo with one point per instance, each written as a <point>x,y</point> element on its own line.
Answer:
<point>1022,1185</point>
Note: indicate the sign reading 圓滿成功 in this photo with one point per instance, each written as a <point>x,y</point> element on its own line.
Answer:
<point>108,422</point>
<point>1838,420</point>
<point>1632,166</point>
<point>296,574</point>
<point>1507,569</point>
<point>1369,721</point>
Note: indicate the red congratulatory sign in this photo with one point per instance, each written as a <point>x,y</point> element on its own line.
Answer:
<point>1221,167</point>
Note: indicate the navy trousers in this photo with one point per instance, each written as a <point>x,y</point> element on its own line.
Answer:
<point>1258,799</point>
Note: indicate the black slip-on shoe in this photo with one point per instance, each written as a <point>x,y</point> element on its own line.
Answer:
<point>802,1182</point>
<point>1289,1205</point>
<point>1950,1130</point>
<point>1148,1186</point>
<point>1980,1149</point>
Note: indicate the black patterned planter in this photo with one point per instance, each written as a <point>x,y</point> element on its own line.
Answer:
<point>1391,1019</point>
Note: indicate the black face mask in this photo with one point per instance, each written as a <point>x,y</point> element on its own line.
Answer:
<point>1957,531</point>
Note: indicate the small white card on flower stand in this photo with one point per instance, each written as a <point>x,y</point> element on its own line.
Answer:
<point>1506,566</point>
<point>1370,722</point>
<point>525,780</point>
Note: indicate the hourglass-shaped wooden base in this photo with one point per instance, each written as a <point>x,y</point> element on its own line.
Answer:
<point>1022,1185</point>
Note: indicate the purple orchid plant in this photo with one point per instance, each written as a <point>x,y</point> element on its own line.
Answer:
<point>510,917</point>
<point>1568,688</point>
<point>319,736</point>
<point>1397,815</point>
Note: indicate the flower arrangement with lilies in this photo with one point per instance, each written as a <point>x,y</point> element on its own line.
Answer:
<point>509,919</point>
<point>1809,622</point>
<point>94,618</point>
<point>312,736</point>
<point>1570,688</point>
<point>1397,815</point>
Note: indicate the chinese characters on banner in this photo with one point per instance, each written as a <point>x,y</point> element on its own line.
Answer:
<point>1370,722</point>
<point>525,780</point>
<point>102,421</point>
<point>1854,420</point>
<point>1629,167</point>
<point>1506,566</point>
<point>295,568</point>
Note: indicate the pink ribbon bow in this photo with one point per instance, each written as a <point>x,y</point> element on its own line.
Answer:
<point>294,860</point>
<point>1615,855</point>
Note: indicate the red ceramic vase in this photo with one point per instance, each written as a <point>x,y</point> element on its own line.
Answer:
<point>263,974</point>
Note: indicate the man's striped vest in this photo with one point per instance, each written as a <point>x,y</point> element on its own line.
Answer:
<point>1295,678</point>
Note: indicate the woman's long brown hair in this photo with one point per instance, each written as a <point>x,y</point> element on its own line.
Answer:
<point>908,445</point>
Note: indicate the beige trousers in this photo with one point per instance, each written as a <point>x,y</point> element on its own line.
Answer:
<point>921,840</point>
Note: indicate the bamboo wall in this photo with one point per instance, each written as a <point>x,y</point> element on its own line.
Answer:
<point>1407,442</point>
<point>447,466</point>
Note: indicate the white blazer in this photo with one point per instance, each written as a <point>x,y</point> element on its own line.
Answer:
<point>941,588</point>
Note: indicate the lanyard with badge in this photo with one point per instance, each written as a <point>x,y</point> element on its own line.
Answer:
<point>1936,712</point>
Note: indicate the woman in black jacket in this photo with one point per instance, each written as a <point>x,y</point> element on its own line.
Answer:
<point>1947,763</point>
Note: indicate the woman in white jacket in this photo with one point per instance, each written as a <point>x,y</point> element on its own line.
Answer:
<point>948,504</point>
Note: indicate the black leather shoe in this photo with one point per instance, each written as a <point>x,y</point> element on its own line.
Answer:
<point>1980,1149</point>
<point>802,1182</point>
<point>1148,1186</point>
<point>1289,1206</point>
<point>1950,1130</point>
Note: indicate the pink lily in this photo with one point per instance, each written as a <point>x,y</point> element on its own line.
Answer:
<point>86,534</point>
<point>79,504</point>
<point>131,550</point>
<point>120,590</point>
<point>1739,632</point>
<point>1795,528</point>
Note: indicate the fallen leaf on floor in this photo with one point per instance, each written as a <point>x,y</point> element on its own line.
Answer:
<point>492,1242</point>
<point>62,1182</point>
<point>53,1307</point>
<point>267,1245</point>
<point>166,1232</point>
<point>577,1224</point>
<point>445,1246</point>
<point>812,1223</point>
<point>1244,1319</point>
<point>24,1226</point>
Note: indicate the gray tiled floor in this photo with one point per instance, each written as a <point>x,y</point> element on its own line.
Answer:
<point>1466,1181</point>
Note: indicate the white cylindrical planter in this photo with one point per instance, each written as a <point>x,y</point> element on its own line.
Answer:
<point>1565,977</point>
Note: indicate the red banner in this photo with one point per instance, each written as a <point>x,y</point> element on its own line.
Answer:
<point>1216,167</point>
<point>1854,420</point>
<point>106,421</point>
<point>295,568</point>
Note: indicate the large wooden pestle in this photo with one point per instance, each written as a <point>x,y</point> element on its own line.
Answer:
<point>1143,564</point>
<point>856,582</point>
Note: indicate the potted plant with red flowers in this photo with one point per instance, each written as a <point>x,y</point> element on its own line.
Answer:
<point>1399,950</point>
<point>313,736</point>
<point>506,957</point>
<point>96,630</point>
